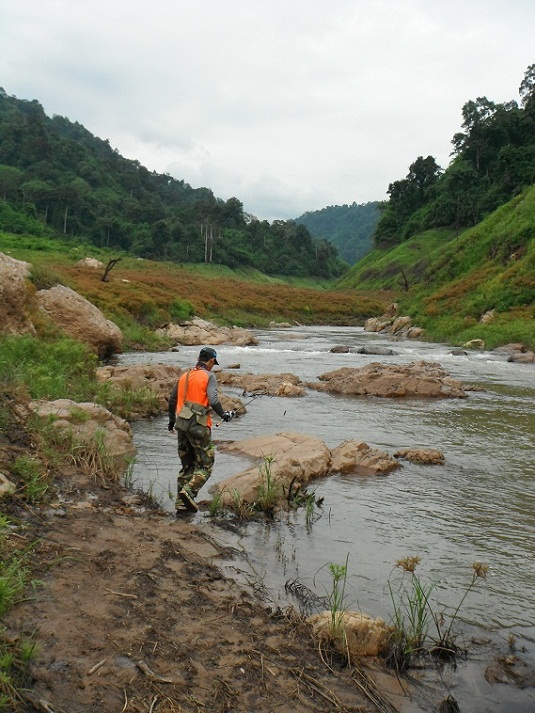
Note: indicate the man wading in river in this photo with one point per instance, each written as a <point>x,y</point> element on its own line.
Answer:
<point>192,399</point>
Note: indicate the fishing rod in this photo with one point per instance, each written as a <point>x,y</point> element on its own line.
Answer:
<point>242,407</point>
<point>256,396</point>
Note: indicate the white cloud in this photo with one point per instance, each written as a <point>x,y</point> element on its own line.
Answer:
<point>289,106</point>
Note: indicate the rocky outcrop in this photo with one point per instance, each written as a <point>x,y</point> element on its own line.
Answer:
<point>14,318</point>
<point>270,384</point>
<point>357,457</point>
<point>391,323</point>
<point>353,634</point>
<point>418,379</point>
<point>92,434</point>
<point>199,331</point>
<point>81,320</point>
<point>291,457</point>
<point>427,456</point>
<point>296,458</point>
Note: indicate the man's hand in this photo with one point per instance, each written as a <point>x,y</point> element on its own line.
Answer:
<point>228,415</point>
<point>171,427</point>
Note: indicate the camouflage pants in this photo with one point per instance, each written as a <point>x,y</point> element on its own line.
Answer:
<point>197,455</point>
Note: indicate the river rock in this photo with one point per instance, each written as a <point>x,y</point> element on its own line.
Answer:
<point>14,296</point>
<point>376,350</point>
<point>475,344</point>
<point>269,384</point>
<point>399,325</point>
<point>428,456</point>
<point>200,331</point>
<point>357,457</point>
<point>390,323</point>
<point>341,349</point>
<point>522,358</point>
<point>81,320</point>
<point>511,348</point>
<point>86,424</point>
<point>415,332</point>
<point>417,379</point>
<point>376,324</point>
<point>356,634</point>
<point>295,457</point>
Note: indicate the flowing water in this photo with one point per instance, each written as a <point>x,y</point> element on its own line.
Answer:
<point>479,506</point>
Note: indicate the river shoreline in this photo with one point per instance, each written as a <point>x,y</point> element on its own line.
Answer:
<point>135,612</point>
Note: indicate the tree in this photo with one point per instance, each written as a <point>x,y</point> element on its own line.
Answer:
<point>527,89</point>
<point>10,180</point>
<point>472,142</point>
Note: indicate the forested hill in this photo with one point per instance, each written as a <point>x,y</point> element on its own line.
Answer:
<point>459,244</point>
<point>56,178</point>
<point>493,161</point>
<point>348,227</point>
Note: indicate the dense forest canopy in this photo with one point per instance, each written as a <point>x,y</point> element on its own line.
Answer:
<point>493,161</point>
<point>348,227</point>
<point>57,178</point>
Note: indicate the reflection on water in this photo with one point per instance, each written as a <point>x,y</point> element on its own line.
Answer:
<point>477,507</point>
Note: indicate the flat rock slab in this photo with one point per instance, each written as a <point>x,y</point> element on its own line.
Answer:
<point>418,379</point>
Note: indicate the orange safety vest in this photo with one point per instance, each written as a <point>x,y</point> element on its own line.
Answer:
<point>197,383</point>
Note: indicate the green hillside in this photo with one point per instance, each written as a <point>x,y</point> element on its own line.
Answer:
<point>448,281</point>
<point>348,227</point>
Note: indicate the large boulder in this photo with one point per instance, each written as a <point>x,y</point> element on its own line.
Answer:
<point>270,384</point>
<point>291,457</point>
<point>417,379</point>
<point>199,331</point>
<point>359,458</point>
<point>351,633</point>
<point>14,296</point>
<point>95,437</point>
<point>81,320</point>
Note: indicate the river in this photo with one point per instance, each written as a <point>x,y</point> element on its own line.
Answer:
<point>479,506</point>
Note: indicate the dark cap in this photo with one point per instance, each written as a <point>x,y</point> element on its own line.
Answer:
<point>208,353</point>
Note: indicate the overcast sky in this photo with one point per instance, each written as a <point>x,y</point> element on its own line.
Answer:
<point>288,105</point>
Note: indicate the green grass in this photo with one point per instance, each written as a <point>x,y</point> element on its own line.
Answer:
<point>15,655</point>
<point>52,369</point>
